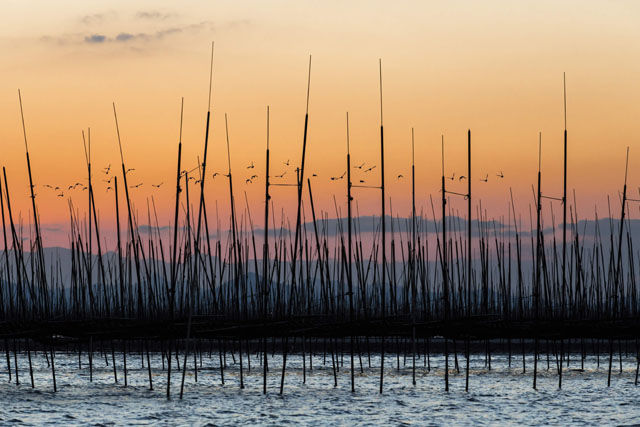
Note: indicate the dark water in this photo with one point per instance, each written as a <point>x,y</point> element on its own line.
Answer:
<point>500,396</point>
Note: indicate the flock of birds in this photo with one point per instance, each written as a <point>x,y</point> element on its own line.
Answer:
<point>400,176</point>
<point>106,171</point>
<point>60,191</point>
<point>461,177</point>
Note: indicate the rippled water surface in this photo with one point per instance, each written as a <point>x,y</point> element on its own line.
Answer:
<point>501,395</point>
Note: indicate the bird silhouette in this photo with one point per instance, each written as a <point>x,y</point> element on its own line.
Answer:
<point>56,188</point>
<point>362,181</point>
<point>248,181</point>
<point>108,181</point>
<point>359,167</point>
<point>282,175</point>
<point>216,174</point>
<point>400,176</point>
<point>500,175</point>
<point>70,187</point>
<point>108,188</point>
<point>136,186</point>
<point>486,178</point>
<point>461,177</point>
<point>286,163</point>
<point>61,194</point>
<point>452,177</point>
<point>315,174</point>
<point>157,185</point>
<point>253,176</point>
<point>250,166</point>
<point>335,178</point>
<point>129,170</point>
<point>370,169</point>
<point>48,186</point>
<point>107,169</point>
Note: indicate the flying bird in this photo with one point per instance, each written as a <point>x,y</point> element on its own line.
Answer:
<point>135,186</point>
<point>486,178</point>
<point>500,175</point>
<point>250,166</point>
<point>335,178</point>
<point>129,170</point>
<point>248,181</point>
<point>107,169</point>
<point>108,188</point>
<point>157,185</point>
<point>286,163</point>
<point>359,167</point>
<point>216,174</point>
<point>253,176</point>
<point>370,169</point>
<point>461,177</point>
<point>282,175</point>
<point>400,176</point>
<point>61,195</point>
<point>452,177</point>
<point>108,181</point>
<point>48,186</point>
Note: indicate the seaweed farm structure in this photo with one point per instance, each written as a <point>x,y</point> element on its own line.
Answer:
<point>325,285</point>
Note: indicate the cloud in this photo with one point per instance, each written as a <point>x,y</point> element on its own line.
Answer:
<point>97,18</point>
<point>154,15</point>
<point>166,32</point>
<point>135,40</point>
<point>95,39</point>
<point>53,228</point>
<point>149,229</point>
<point>123,37</point>
<point>127,37</point>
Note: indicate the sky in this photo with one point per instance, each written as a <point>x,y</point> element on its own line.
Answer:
<point>494,67</point>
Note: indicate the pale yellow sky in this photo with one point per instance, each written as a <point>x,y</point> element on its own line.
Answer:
<point>494,67</point>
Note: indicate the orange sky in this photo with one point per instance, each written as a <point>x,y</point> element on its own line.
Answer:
<point>494,67</point>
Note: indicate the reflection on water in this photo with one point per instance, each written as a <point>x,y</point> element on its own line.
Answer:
<point>501,395</point>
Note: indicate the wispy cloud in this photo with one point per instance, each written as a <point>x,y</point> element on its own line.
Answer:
<point>97,18</point>
<point>128,37</point>
<point>95,38</point>
<point>53,228</point>
<point>154,15</point>
<point>123,37</point>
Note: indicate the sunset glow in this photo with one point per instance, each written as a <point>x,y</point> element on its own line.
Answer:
<point>493,67</point>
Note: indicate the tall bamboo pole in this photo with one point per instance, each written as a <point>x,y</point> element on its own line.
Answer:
<point>384,233</point>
